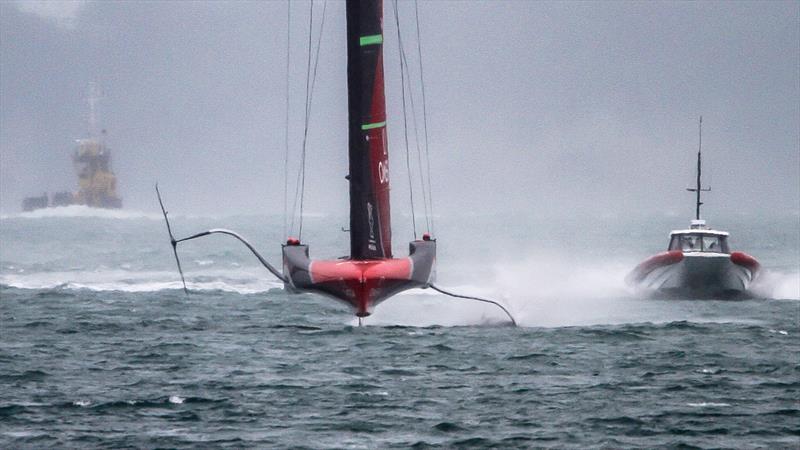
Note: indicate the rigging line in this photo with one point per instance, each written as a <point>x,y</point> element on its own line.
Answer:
<point>404,58</point>
<point>308,115</point>
<point>316,56</point>
<point>416,138</point>
<point>286,133</point>
<point>301,169</point>
<point>424,115</point>
<point>405,121</point>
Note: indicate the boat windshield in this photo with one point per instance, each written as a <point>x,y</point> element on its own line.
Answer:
<point>699,242</point>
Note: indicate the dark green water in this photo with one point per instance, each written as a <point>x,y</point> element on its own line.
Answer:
<point>100,349</point>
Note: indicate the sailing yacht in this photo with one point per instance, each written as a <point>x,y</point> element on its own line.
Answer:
<point>371,273</point>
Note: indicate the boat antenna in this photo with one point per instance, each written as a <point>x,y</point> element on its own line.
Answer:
<point>95,95</point>
<point>699,189</point>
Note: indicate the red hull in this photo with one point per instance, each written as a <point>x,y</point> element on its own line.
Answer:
<point>659,260</point>
<point>361,280</point>
<point>361,284</point>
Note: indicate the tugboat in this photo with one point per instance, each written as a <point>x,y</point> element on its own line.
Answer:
<point>698,262</point>
<point>97,184</point>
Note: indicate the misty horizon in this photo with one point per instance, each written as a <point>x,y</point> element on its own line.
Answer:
<point>548,108</point>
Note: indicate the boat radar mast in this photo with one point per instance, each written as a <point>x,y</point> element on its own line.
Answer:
<point>699,189</point>
<point>95,95</point>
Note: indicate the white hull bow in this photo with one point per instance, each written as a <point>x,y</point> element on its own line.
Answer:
<point>695,275</point>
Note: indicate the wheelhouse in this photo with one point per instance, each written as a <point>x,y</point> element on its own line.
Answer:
<point>699,241</point>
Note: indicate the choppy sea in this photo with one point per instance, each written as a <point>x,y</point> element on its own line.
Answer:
<point>100,347</point>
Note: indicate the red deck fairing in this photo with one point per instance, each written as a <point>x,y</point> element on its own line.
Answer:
<point>745,260</point>
<point>362,284</point>
<point>654,262</point>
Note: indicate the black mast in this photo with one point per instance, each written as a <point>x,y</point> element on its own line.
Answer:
<point>698,189</point>
<point>370,228</point>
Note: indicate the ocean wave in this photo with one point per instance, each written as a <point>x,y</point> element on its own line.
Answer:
<point>241,282</point>
<point>158,402</point>
<point>83,211</point>
<point>709,405</point>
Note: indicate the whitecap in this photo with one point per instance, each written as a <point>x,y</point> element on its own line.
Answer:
<point>82,403</point>
<point>22,434</point>
<point>176,399</point>
<point>242,281</point>
<point>708,405</point>
<point>84,211</point>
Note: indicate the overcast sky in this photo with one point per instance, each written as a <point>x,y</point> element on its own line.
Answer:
<point>552,108</point>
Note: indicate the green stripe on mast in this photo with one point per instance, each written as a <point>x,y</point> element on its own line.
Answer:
<point>371,40</point>
<point>369,126</point>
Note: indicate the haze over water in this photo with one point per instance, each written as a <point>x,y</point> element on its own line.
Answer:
<point>534,106</point>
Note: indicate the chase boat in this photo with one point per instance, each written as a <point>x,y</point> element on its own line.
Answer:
<point>698,262</point>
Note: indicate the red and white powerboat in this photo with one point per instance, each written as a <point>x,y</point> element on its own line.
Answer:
<point>698,262</point>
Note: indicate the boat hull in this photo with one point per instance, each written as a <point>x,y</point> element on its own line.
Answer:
<point>701,275</point>
<point>361,284</point>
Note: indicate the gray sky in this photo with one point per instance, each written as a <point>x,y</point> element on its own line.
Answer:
<point>552,108</point>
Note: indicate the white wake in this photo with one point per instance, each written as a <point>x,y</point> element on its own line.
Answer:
<point>240,280</point>
<point>83,211</point>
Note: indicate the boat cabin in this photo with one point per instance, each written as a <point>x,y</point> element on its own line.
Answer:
<point>699,239</point>
<point>704,241</point>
